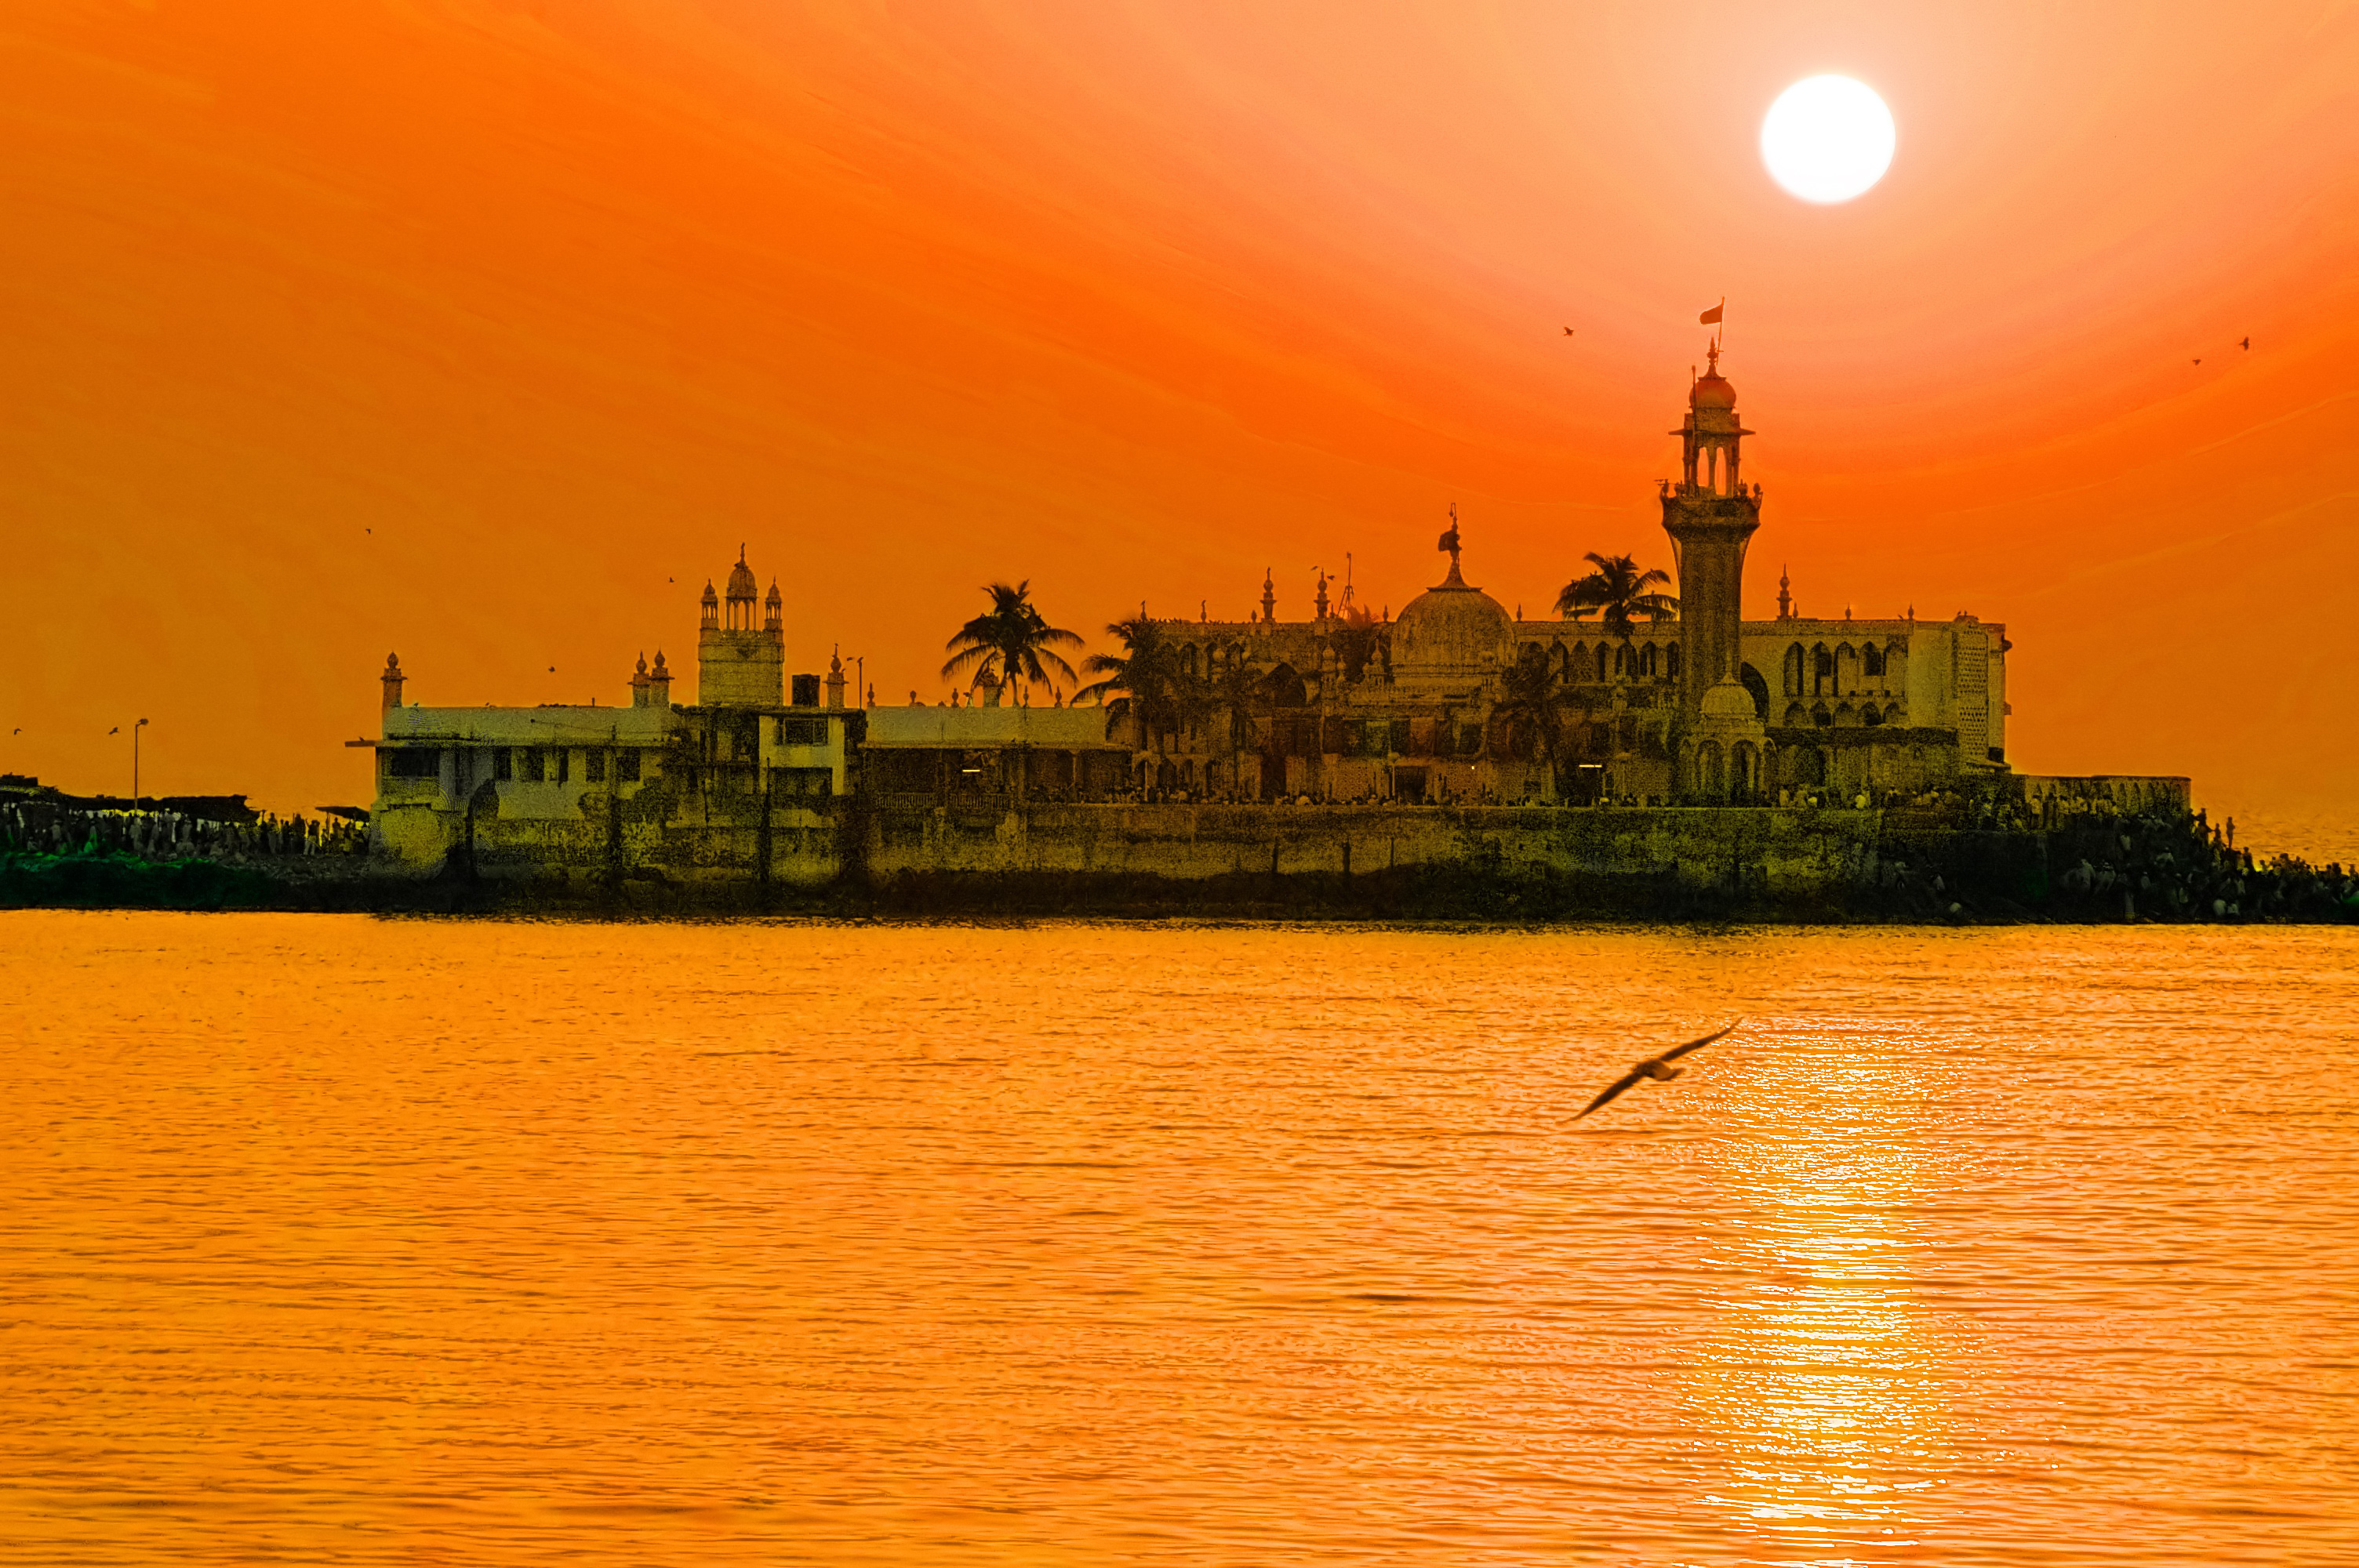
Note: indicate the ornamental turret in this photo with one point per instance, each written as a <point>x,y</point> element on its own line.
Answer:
<point>738,663</point>
<point>1711,515</point>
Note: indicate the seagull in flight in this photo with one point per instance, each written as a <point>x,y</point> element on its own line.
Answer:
<point>1568,332</point>
<point>1659,1068</point>
<point>2245,344</point>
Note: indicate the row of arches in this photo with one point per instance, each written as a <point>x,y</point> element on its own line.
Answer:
<point>1843,715</point>
<point>1583,663</point>
<point>1845,670</point>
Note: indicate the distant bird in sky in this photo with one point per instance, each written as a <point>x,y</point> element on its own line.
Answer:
<point>552,669</point>
<point>2243,342</point>
<point>1659,1068</point>
<point>369,530</point>
<point>2198,362</point>
<point>116,730</point>
<point>1568,332</point>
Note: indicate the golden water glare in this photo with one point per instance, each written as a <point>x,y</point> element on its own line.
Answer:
<point>424,1241</point>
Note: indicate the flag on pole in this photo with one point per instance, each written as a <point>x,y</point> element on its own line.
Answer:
<point>1712,317</point>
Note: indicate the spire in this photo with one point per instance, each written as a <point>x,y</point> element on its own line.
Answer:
<point>1784,599</point>
<point>1268,597</point>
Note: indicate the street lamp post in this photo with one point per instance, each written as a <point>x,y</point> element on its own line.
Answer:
<point>134,763</point>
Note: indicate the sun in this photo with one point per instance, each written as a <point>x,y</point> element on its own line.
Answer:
<point>1827,138</point>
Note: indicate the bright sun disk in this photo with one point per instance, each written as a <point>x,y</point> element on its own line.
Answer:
<point>1827,138</point>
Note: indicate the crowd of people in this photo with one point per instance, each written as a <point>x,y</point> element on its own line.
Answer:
<point>43,827</point>
<point>2176,865</point>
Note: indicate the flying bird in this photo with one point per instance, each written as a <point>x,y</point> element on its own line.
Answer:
<point>117,729</point>
<point>552,669</point>
<point>1659,1068</point>
<point>1568,332</point>
<point>2198,362</point>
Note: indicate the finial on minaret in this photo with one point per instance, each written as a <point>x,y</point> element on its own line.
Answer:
<point>1449,541</point>
<point>1784,599</point>
<point>1268,597</point>
<point>1323,593</point>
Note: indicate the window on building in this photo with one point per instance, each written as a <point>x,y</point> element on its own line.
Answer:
<point>413,763</point>
<point>536,765</point>
<point>802,732</point>
<point>626,765</point>
<point>593,765</point>
<point>503,765</point>
<point>1398,737</point>
<point>564,763</point>
<point>1871,660</point>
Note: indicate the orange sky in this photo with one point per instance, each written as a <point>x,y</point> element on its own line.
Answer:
<point>461,327</point>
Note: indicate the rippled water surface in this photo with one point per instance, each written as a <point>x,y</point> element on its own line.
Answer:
<point>341,1240</point>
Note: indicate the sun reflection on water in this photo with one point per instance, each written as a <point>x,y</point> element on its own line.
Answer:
<point>1819,1382</point>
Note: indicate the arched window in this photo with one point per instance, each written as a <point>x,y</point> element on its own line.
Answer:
<point>1601,651</point>
<point>1711,777</point>
<point>1744,770</point>
<point>1647,661</point>
<point>1871,661</point>
<point>1869,715</point>
<point>1820,717</point>
<point>1794,670</point>
<point>1822,670</point>
<point>1795,717</point>
<point>1759,689</point>
<point>1846,669</point>
<point>1672,662</point>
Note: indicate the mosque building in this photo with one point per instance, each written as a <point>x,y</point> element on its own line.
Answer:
<point>1454,700</point>
<point>1703,709</point>
<point>525,777</point>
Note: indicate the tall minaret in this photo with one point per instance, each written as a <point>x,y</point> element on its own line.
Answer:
<point>1709,516</point>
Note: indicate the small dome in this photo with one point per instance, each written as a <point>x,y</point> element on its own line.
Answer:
<point>1711,392</point>
<point>711,598</point>
<point>1452,630</point>
<point>1727,698</point>
<point>774,601</point>
<point>741,580</point>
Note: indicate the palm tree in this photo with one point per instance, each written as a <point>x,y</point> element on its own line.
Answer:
<point>1009,643</point>
<point>1620,592</point>
<point>1146,674</point>
<point>1237,688</point>
<point>1532,701</point>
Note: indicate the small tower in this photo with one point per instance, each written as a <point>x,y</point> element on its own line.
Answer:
<point>1785,599</point>
<point>774,609</point>
<point>392,680</point>
<point>738,663</point>
<point>639,684</point>
<point>659,684</point>
<point>710,619</point>
<point>834,677</point>
<point>1322,594</point>
<point>1710,518</point>
<point>1268,598</point>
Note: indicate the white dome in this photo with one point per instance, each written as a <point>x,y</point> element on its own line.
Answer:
<point>1452,629</point>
